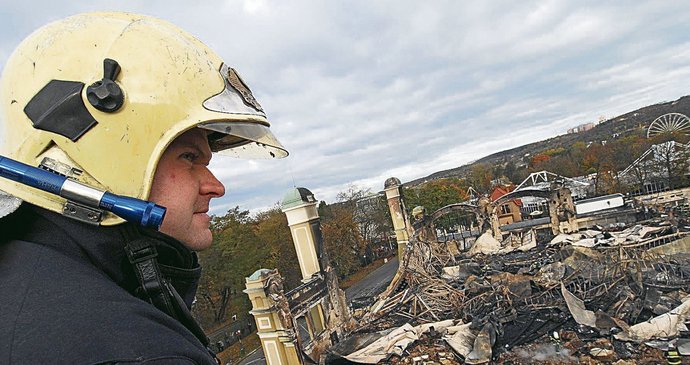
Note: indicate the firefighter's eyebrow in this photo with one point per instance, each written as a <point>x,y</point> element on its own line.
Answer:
<point>195,146</point>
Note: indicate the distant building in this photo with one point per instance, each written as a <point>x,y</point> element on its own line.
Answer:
<point>598,204</point>
<point>508,212</point>
<point>581,128</point>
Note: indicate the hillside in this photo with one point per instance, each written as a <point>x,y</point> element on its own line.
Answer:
<point>634,122</point>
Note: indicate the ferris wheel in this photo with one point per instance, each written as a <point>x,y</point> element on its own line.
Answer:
<point>669,123</point>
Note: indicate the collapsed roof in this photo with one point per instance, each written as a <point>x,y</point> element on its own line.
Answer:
<point>590,296</point>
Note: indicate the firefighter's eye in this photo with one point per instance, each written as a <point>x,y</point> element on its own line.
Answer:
<point>190,156</point>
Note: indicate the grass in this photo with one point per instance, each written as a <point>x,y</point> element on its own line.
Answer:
<point>239,350</point>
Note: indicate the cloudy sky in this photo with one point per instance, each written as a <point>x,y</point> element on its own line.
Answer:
<point>359,91</point>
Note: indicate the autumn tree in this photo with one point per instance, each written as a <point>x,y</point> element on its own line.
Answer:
<point>375,226</point>
<point>272,230</point>
<point>595,164</point>
<point>624,151</point>
<point>343,240</point>
<point>370,213</point>
<point>539,162</point>
<point>575,155</point>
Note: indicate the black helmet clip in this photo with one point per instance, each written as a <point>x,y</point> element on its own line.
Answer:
<point>106,95</point>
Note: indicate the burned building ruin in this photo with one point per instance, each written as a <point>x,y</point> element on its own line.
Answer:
<point>578,295</point>
<point>577,286</point>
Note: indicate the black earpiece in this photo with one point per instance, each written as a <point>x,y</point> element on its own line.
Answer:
<point>106,95</point>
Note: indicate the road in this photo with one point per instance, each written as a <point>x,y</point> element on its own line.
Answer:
<point>374,283</point>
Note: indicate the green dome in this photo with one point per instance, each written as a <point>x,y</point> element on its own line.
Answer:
<point>296,197</point>
<point>391,182</point>
<point>258,274</point>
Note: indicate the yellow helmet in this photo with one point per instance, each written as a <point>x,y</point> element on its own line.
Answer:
<point>98,97</point>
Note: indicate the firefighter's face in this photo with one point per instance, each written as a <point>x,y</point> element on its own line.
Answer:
<point>184,185</point>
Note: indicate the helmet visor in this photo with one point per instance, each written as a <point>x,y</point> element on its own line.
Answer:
<point>239,139</point>
<point>243,140</point>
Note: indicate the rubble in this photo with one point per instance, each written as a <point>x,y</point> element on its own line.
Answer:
<point>485,244</point>
<point>588,297</point>
<point>395,342</point>
<point>667,325</point>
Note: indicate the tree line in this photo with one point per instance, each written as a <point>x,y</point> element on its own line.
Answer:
<point>604,162</point>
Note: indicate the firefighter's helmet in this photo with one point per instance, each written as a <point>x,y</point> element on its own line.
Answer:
<point>100,96</point>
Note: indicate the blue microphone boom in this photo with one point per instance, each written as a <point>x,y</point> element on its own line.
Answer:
<point>134,210</point>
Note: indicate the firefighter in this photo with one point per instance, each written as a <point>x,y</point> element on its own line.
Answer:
<point>135,106</point>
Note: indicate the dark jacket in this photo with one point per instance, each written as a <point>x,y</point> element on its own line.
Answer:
<point>67,295</point>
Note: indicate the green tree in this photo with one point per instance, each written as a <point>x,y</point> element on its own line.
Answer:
<point>235,254</point>
<point>480,177</point>
<point>513,173</point>
<point>324,210</point>
<point>436,194</point>
<point>272,231</point>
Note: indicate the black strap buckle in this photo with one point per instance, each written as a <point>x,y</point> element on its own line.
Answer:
<point>138,253</point>
<point>155,289</point>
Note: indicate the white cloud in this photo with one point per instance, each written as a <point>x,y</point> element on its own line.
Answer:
<point>359,91</point>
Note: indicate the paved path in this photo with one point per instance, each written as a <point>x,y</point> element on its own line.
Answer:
<point>255,358</point>
<point>374,283</point>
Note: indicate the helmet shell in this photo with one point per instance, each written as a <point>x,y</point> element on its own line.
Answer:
<point>166,76</point>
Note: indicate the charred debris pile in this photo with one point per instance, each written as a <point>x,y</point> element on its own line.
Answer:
<point>597,296</point>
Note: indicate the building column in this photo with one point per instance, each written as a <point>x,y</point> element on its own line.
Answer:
<point>553,214</point>
<point>393,189</point>
<point>496,224</point>
<point>273,319</point>
<point>302,215</point>
<point>567,206</point>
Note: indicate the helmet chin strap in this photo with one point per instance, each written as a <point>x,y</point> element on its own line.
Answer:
<point>153,286</point>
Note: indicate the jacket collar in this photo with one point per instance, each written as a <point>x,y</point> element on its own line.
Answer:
<point>103,247</point>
